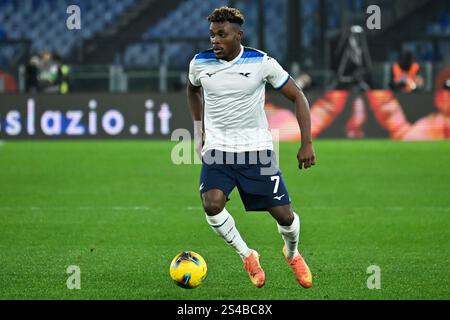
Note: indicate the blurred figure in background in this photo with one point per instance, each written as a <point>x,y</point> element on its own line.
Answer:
<point>353,65</point>
<point>352,61</point>
<point>47,74</point>
<point>405,74</point>
<point>62,79</point>
<point>7,83</point>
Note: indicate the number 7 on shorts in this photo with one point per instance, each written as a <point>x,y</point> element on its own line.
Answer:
<point>277,183</point>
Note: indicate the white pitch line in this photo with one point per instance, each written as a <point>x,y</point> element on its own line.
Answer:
<point>194,208</point>
<point>132,208</point>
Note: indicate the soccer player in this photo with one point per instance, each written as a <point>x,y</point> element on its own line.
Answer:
<point>226,90</point>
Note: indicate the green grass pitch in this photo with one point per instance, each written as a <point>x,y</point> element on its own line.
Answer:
<point>121,211</point>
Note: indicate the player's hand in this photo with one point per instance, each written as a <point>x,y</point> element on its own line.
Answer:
<point>306,156</point>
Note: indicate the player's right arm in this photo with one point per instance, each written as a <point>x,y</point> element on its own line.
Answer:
<point>195,103</point>
<point>306,155</point>
<point>280,80</point>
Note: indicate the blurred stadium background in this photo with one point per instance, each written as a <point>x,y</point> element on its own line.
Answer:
<point>143,48</point>
<point>121,209</point>
<point>145,45</point>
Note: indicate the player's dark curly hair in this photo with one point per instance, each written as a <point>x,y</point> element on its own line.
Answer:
<point>224,14</point>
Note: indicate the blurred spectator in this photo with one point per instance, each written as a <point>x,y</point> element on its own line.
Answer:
<point>46,73</point>
<point>405,74</point>
<point>7,82</point>
<point>63,74</point>
<point>31,75</point>
<point>352,61</point>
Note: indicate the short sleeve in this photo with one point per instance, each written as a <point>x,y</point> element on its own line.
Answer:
<point>274,73</point>
<point>193,74</point>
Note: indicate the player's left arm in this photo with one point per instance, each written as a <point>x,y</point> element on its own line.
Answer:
<point>306,156</point>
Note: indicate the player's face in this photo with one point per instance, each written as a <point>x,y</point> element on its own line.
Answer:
<point>225,39</point>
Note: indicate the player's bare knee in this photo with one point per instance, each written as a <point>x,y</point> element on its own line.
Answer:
<point>213,207</point>
<point>213,202</point>
<point>286,219</point>
<point>284,215</point>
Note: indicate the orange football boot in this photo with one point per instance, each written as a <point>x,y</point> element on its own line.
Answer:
<point>300,269</point>
<point>255,272</point>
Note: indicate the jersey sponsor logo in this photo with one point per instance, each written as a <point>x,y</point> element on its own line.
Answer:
<point>279,197</point>
<point>201,186</point>
<point>210,74</point>
<point>246,74</point>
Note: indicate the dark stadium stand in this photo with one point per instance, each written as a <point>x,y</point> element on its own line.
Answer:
<point>189,20</point>
<point>43,22</point>
<point>151,33</point>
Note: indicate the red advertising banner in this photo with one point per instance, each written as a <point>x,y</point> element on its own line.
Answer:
<point>372,114</point>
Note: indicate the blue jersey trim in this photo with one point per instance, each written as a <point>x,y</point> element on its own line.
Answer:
<point>251,56</point>
<point>250,60</point>
<point>209,54</point>
<point>251,53</point>
<point>207,61</point>
<point>284,82</point>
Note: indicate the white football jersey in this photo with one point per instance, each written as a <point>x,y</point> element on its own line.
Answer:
<point>234,97</point>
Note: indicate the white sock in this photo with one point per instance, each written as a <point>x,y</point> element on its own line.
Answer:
<point>223,224</point>
<point>291,236</point>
